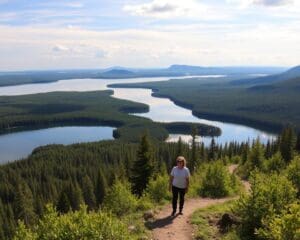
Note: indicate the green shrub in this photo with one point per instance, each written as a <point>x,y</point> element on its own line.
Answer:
<point>119,199</point>
<point>293,173</point>
<point>158,189</point>
<point>275,163</point>
<point>217,181</point>
<point>285,226</point>
<point>269,193</point>
<point>74,226</point>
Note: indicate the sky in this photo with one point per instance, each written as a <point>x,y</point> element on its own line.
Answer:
<point>77,34</point>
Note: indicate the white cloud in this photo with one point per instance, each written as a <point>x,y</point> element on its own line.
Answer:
<point>60,48</point>
<point>272,3</point>
<point>263,3</point>
<point>46,48</point>
<point>175,8</point>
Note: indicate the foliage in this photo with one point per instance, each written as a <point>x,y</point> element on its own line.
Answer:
<point>283,226</point>
<point>275,163</point>
<point>143,167</point>
<point>217,181</point>
<point>287,143</point>
<point>157,189</point>
<point>269,194</point>
<point>293,173</point>
<point>74,225</point>
<point>119,199</point>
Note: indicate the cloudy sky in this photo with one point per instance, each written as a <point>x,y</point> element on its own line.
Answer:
<point>61,34</point>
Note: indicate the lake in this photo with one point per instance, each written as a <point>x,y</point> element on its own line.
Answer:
<point>18,145</point>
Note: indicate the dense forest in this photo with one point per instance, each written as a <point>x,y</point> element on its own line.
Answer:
<point>116,181</point>
<point>90,108</point>
<point>267,103</point>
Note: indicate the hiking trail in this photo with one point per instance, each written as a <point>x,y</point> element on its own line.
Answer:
<point>166,227</point>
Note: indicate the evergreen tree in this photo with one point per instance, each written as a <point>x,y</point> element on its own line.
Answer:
<point>9,222</point>
<point>142,167</point>
<point>287,144</point>
<point>101,188</point>
<point>24,204</point>
<point>194,159</point>
<point>179,147</point>
<point>268,151</point>
<point>2,217</point>
<point>298,143</point>
<point>212,154</point>
<point>75,195</point>
<point>88,193</point>
<point>63,205</point>
<point>256,155</point>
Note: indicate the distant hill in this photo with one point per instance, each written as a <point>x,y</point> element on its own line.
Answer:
<point>292,73</point>
<point>118,72</point>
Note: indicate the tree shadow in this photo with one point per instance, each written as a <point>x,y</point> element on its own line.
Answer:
<point>160,223</point>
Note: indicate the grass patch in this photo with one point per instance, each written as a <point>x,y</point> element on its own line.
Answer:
<point>205,222</point>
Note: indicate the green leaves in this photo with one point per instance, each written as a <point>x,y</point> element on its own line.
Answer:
<point>74,226</point>
<point>269,194</point>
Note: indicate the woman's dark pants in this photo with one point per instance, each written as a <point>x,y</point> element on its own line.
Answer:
<point>175,192</point>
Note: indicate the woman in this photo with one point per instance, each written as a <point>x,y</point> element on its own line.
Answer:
<point>179,183</point>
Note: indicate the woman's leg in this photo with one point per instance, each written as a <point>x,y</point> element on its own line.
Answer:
<point>174,199</point>
<point>181,199</point>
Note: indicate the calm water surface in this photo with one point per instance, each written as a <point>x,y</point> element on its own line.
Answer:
<point>161,109</point>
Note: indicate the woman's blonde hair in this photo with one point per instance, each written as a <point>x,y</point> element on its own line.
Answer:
<point>181,158</point>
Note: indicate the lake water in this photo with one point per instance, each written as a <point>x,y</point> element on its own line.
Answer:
<point>18,145</point>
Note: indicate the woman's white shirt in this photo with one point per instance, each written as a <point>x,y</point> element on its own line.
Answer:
<point>180,176</point>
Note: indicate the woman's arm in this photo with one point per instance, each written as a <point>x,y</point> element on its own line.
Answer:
<point>170,182</point>
<point>187,184</point>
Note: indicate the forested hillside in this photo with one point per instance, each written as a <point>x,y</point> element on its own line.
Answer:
<point>270,105</point>
<point>67,176</point>
<point>90,108</point>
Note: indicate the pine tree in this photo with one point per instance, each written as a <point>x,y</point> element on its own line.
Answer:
<point>2,217</point>
<point>63,205</point>
<point>143,167</point>
<point>268,151</point>
<point>179,147</point>
<point>298,143</point>
<point>287,144</point>
<point>24,204</point>
<point>88,193</point>
<point>256,155</point>
<point>101,188</point>
<point>212,153</point>
<point>194,159</point>
<point>75,196</point>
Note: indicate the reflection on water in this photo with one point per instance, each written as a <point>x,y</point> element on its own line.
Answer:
<point>19,145</point>
<point>164,110</point>
<point>161,110</point>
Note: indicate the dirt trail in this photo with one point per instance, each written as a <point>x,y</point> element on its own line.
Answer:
<point>178,227</point>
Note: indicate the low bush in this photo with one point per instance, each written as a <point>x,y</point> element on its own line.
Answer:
<point>119,199</point>
<point>270,193</point>
<point>293,173</point>
<point>217,181</point>
<point>274,164</point>
<point>158,189</point>
<point>283,226</point>
<point>74,225</point>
